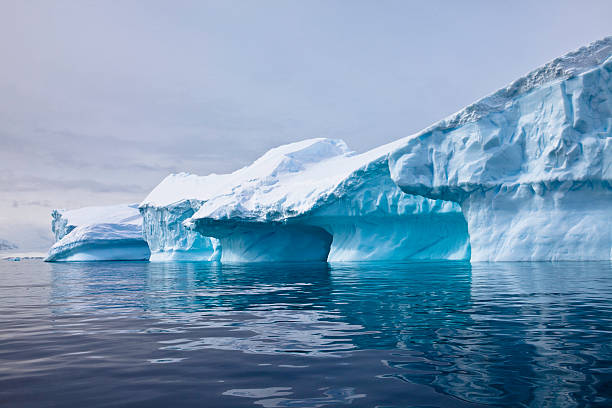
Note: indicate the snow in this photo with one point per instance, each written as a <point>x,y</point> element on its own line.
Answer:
<point>287,159</point>
<point>314,200</point>
<point>65,221</point>
<point>98,233</point>
<point>530,165</point>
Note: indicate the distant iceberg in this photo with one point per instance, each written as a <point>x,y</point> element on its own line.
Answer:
<point>111,233</point>
<point>530,165</point>
<point>313,200</point>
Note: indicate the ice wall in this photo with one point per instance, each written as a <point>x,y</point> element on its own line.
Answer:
<point>169,240</point>
<point>164,210</point>
<point>530,165</point>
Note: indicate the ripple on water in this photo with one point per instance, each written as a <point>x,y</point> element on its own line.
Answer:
<point>282,335</point>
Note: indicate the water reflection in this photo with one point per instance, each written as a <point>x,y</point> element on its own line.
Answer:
<point>268,397</point>
<point>501,334</point>
<point>263,309</point>
<point>545,324</point>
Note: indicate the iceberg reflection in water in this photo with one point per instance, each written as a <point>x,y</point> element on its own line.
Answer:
<point>299,335</point>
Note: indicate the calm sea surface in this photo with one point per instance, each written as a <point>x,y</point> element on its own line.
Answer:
<point>315,335</point>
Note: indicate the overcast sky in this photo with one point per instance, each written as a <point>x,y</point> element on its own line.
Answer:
<point>99,100</point>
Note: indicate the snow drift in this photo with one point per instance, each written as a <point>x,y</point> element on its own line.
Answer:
<point>111,233</point>
<point>530,165</point>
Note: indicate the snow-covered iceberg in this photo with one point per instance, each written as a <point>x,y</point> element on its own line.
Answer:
<point>111,233</point>
<point>313,200</point>
<point>530,165</point>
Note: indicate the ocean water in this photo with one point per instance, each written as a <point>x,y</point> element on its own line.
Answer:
<point>305,335</point>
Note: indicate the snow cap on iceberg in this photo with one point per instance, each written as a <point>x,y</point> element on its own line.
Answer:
<point>64,221</point>
<point>290,158</point>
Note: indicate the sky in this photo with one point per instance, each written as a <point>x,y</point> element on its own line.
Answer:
<point>100,100</point>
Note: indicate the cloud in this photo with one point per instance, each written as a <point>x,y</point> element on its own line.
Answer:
<point>25,183</point>
<point>5,245</point>
<point>31,203</point>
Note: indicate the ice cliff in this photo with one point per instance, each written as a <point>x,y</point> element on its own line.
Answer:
<point>164,210</point>
<point>313,200</point>
<point>98,233</point>
<point>530,165</point>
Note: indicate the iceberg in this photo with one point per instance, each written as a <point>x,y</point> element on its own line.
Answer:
<point>313,200</point>
<point>530,165</point>
<point>110,233</point>
<point>524,174</point>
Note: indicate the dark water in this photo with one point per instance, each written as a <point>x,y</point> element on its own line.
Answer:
<point>401,335</point>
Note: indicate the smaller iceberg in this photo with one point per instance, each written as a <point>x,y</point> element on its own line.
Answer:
<point>111,233</point>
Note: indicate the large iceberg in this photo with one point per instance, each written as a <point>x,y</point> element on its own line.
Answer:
<point>313,200</point>
<point>111,233</point>
<point>523,174</point>
<point>530,165</point>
